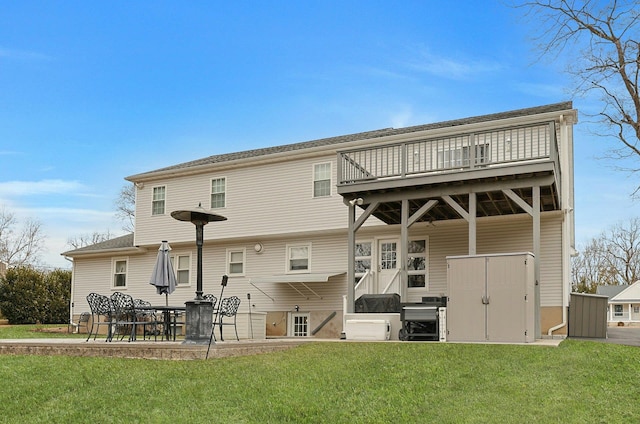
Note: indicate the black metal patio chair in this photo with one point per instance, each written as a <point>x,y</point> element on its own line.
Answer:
<point>125,315</point>
<point>229,309</point>
<point>101,314</point>
<point>213,299</point>
<point>147,315</point>
<point>83,321</point>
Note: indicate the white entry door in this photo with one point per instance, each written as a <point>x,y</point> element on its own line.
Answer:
<point>388,262</point>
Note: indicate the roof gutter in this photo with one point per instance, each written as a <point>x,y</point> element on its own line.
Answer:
<point>104,252</point>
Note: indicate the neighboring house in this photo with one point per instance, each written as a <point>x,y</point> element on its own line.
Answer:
<point>624,303</point>
<point>306,222</point>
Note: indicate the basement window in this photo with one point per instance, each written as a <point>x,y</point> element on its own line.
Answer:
<point>299,325</point>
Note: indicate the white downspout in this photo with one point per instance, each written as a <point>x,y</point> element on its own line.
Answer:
<point>72,294</point>
<point>566,173</point>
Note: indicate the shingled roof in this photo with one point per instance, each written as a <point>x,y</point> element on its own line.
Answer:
<point>227,157</point>
<point>122,242</point>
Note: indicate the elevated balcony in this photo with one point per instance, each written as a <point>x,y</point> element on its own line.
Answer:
<point>499,165</point>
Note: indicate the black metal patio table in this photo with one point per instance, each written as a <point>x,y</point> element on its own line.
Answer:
<point>170,325</point>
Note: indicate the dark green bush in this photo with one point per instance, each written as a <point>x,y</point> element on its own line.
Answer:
<point>29,296</point>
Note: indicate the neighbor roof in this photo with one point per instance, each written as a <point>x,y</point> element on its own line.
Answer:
<point>610,291</point>
<point>354,137</point>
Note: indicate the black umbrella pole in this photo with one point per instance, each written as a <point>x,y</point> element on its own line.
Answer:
<point>250,320</point>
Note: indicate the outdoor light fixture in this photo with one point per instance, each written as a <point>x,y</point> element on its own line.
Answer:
<point>258,247</point>
<point>359,201</point>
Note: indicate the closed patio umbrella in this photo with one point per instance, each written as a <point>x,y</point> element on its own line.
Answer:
<point>163,277</point>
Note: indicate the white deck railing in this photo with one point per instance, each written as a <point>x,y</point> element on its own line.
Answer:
<point>463,151</point>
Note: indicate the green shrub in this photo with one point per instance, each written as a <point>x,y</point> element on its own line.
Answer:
<point>29,296</point>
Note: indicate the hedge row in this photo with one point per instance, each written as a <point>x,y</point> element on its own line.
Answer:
<point>29,296</point>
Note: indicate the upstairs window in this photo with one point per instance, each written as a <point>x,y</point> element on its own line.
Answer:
<point>322,180</point>
<point>298,258</point>
<point>218,193</point>
<point>157,205</point>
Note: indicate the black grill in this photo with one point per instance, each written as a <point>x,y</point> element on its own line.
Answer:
<point>420,321</point>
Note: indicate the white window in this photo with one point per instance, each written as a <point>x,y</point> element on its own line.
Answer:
<point>363,259</point>
<point>299,325</point>
<point>458,156</point>
<point>388,255</point>
<point>235,262</point>
<point>298,258</point>
<point>322,180</point>
<point>157,205</point>
<point>617,310</point>
<point>636,309</point>
<point>417,264</point>
<point>119,273</point>
<point>182,266</point>
<point>218,193</point>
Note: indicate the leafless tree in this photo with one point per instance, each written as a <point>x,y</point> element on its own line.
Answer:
<point>600,41</point>
<point>20,246</point>
<point>588,269</point>
<point>126,207</point>
<point>623,251</point>
<point>612,258</point>
<point>88,239</point>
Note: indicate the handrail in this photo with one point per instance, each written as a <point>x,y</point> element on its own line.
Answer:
<point>393,278</point>
<point>366,277</point>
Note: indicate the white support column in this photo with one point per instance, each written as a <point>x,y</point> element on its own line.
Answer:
<point>472,223</point>
<point>351,267</point>
<point>404,247</point>
<point>536,251</point>
<point>354,225</point>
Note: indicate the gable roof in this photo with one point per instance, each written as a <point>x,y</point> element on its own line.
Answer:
<point>368,135</point>
<point>630,294</point>
<point>610,291</point>
<point>123,244</point>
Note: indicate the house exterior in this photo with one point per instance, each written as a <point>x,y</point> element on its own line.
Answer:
<point>312,226</point>
<point>623,304</point>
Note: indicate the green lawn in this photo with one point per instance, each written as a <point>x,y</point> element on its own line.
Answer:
<point>39,331</point>
<point>333,382</point>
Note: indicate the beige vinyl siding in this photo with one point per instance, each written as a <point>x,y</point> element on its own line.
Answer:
<point>262,200</point>
<point>90,275</point>
<point>328,254</point>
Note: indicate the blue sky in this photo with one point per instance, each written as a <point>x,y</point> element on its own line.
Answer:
<point>92,92</point>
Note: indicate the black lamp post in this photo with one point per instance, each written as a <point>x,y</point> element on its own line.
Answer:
<point>199,318</point>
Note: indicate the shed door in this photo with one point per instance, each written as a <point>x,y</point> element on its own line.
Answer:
<point>506,293</point>
<point>466,312</point>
